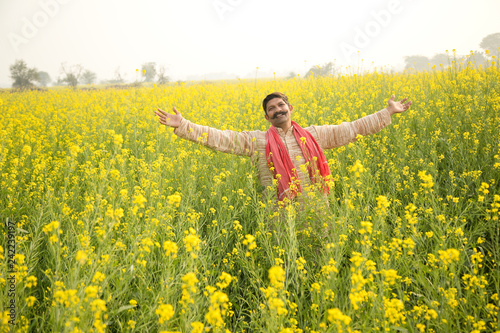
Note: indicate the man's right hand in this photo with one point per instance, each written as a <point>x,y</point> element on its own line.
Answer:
<point>167,119</point>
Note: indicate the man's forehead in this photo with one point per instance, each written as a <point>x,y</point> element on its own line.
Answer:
<point>274,101</point>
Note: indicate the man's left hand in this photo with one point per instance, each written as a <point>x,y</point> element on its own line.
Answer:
<point>398,107</point>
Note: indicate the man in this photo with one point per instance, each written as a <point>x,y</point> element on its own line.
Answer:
<point>291,155</point>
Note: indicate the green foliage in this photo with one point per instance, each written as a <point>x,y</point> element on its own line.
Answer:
<point>89,77</point>
<point>23,76</point>
<point>163,78</point>
<point>149,71</point>
<point>491,42</point>
<point>409,240</point>
<point>71,75</point>
<point>417,62</point>
<point>328,69</point>
<point>44,78</point>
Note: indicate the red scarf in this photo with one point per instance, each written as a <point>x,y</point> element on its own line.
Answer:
<point>280,163</point>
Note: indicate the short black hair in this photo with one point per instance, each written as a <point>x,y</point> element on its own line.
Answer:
<point>275,94</point>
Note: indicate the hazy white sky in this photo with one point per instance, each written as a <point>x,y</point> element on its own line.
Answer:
<point>197,37</point>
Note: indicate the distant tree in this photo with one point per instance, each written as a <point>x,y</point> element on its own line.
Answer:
<point>491,42</point>
<point>476,58</point>
<point>119,77</point>
<point>327,69</point>
<point>149,71</point>
<point>88,77</point>
<point>163,78</point>
<point>291,75</point>
<point>417,62</point>
<point>71,75</point>
<point>440,59</point>
<point>23,76</point>
<point>44,78</point>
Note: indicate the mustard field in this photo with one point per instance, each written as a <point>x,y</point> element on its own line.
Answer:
<point>111,223</point>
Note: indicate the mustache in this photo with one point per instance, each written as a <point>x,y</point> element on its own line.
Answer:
<point>278,114</point>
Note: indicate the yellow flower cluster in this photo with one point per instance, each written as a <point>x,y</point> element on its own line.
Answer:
<point>277,277</point>
<point>449,256</point>
<point>192,242</point>
<point>174,200</point>
<point>107,208</point>
<point>170,248</point>
<point>189,288</point>
<point>164,312</point>
<point>337,318</point>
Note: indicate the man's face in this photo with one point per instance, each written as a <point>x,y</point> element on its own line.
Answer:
<point>278,112</point>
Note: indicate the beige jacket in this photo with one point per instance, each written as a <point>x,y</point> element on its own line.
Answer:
<point>253,143</point>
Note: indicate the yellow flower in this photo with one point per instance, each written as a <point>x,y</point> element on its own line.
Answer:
<point>188,287</point>
<point>197,327</point>
<point>31,281</point>
<point>394,311</point>
<point>336,316</point>
<point>427,181</point>
<point>226,280</point>
<point>139,200</point>
<point>191,241</point>
<point>382,204</point>
<point>81,257</point>
<point>277,277</point>
<point>390,276</point>
<point>91,292</point>
<point>250,242</point>
<point>174,200</point>
<point>98,306</point>
<point>316,286</point>
<point>165,312</point>
<point>30,301</point>
<point>449,256</point>
<point>170,248</point>
<point>52,226</point>
<point>278,305</point>
<point>98,277</point>
<point>118,139</point>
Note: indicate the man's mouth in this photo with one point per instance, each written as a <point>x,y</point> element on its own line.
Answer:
<point>279,114</point>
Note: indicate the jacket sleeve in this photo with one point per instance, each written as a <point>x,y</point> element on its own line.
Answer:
<point>232,142</point>
<point>331,136</point>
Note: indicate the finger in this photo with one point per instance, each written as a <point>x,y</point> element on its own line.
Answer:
<point>403,100</point>
<point>164,121</point>
<point>175,110</point>
<point>162,112</point>
<point>392,97</point>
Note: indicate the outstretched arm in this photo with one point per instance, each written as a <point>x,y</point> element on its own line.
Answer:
<point>232,142</point>
<point>331,136</point>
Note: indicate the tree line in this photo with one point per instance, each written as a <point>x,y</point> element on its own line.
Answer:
<point>490,44</point>
<point>25,77</point>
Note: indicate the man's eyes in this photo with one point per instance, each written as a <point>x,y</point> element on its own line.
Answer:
<point>273,107</point>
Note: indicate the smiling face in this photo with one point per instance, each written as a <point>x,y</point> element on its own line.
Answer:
<point>279,113</point>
